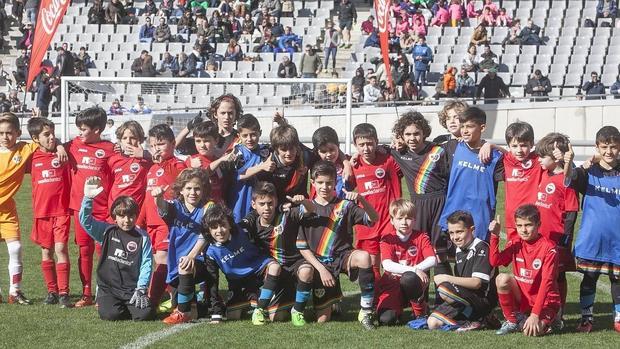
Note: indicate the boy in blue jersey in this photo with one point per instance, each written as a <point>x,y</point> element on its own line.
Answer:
<point>598,243</point>
<point>124,268</point>
<point>245,268</point>
<point>186,265</point>
<point>252,158</point>
<point>327,148</point>
<point>273,228</point>
<point>325,240</point>
<point>473,184</point>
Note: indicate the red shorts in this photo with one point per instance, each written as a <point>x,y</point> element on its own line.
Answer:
<point>81,236</point>
<point>390,296</point>
<point>369,245</point>
<point>50,230</point>
<point>159,237</point>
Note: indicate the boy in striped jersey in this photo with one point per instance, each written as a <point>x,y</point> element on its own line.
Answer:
<point>326,242</point>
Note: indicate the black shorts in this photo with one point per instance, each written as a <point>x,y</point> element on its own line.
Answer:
<point>284,295</point>
<point>467,304</point>
<point>428,209</point>
<point>323,297</point>
<point>114,308</point>
<point>243,293</point>
<point>347,23</point>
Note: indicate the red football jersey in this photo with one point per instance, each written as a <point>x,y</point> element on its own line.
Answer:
<point>50,185</point>
<point>535,267</point>
<point>553,200</point>
<point>379,184</point>
<point>89,160</point>
<point>521,183</point>
<point>128,177</point>
<point>216,179</point>
<point>160,175</point>
<point>410,252</point>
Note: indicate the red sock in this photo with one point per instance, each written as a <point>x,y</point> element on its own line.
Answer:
<point>507,302</point>
<point>377,272</point>
<point>158,283</point>
<point>563,290</point>
<point>63,272</point>
<point>85,262</point>
<point>49,275</point>
<point>419,309</point>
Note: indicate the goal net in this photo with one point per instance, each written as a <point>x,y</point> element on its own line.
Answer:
<point>305,102</point>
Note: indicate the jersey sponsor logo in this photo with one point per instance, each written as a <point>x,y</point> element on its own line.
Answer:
<point>380,173</point>
<point>542,197</point>
<point>370,185</point>
<point>132,246</point>
<point>526,273</point>
<point>120,253</point>
<point>536,264</point>
<point>527,164</point>
<point>17,159</point>
<point>319,292</point>
<point>606,190</point>
<point>82,150</point>
<point>128,178</point>
<point>134,167</point>
<point>55,163</point>
<point>475,167</point>
<point>87,160</point>
<point>100,153</point>
<point>412,251</point>
<point>228,257</point>
<point>48,173</point>
<point>550,188</point>
<point>159,172</point>
<point>151,182</point>
<point>37,164</point>
<point>517,172</point>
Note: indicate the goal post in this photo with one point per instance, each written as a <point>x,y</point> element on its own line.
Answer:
<point>177,100</point>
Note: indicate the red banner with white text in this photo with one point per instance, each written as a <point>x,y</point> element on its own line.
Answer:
<point>382,9</point>
<point>50,15</point>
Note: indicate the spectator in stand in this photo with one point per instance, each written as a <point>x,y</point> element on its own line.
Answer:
<point>407,42</point>
<point>136,66</point>
<point>530,35</point>
<point>233,51</point>
<point>186,68</point>
<point>404,6</point>
<point>247,29</point>
<point>211,69</point>
<point>456,13</point>
<point>274,7</point>
<point>410,91</point>
<point>5,105</point>
<point>17,10</point>
<point>147,31</point>
<point>225,7</point>
<point>109,134</point>
<point>465,85</point>
<point>97,14</point>
<point>21,65</point>
<point>422,56</point>
<point>419,26</point>
<point>615,88</point>
<point>479,36</point>
<point>486,18</point>
<point>149,9</point>
<point>446,86</point>
<point>25,42</point>
<point>206,50</point>
<point>277,29</point>
<point>493,87</point>
<point>16,105</point>
<point>606,9</point>
<point>165,9</point>
<point>289,42</point>
<point>441,4</point>
<point>503,19</point>
<point>492,7</point>
<point>162,33</point>
<point>512,38</point>
<point>288,8</point>
<point>368,25</point>
<point>116,108</point>
<point>537,86</point>
<point>393,42</point>
<point>594,89</point>
<point>235,26</point>
<point>402,27</point>
<point>309,66</point>
<point>347,16</point>
<point>372,92</point>
<point>331,40</point>
<point>470,61</point>
<point>140,107</point>
<point>169,66</point>
<point>186,25</point>
<point>115,13</point>
<point>400,69</point>
<point>44,96</point>
<point>441,18</point>
<point>31,7</point>
<point>287,68</point>
<point>64,62</point>
<point>266,43</point>
<point>470,9</point>
<point>261,14</point>
<point>359,79</point>
<point>84,57</point>
<point>148,69</point>
<point>489,60</point>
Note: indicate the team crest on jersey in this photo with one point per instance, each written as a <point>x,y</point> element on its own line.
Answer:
<point>134,167</point>
<point>412,251</point>
<point>527,164</point>
<point>536,264</point>
<point>55,163</point>
<point>380,173</point>
<point>550,188</point>
<point>159,172</point>
<point>278,229</point>
<point>264,152</point>
<point>132,246</point>
<point>434,157</point>
<point>319,292</point>
<point>339,213</point>
<point>17,159</point>
<point>100,153</point>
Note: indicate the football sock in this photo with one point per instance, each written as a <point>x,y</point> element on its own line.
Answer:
<point>62,275</point>
<point>563,286</point>
<point>615,296</point>
<point>85,264</point>
<point>587,292</point>
<point>158,283</point>
<point>185,293</point>
<point>266,292</point>
<point>49,275</point>
<point>301,296</point>
<point>507,303</point>
<point>367,287</point>
<point>15,265</point>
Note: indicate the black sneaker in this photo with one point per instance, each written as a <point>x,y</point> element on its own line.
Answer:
<point>19,298</point>
<point>367,319</point>
<point>65,301</point>
<point>52,298</point>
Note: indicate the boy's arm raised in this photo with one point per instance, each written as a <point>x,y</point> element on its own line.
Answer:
<point>373,216</point>
<point>94,228</point>
<point>497,258</point>
<point>268,165</point>
<point>163,207</point>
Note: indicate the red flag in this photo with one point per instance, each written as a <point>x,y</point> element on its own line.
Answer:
<point>50,15</point>
<point>382,9</point>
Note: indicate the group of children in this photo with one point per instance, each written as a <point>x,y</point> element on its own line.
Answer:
<point>168,221</point>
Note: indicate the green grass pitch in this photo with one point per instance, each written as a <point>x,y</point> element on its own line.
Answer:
<point>45,326</point>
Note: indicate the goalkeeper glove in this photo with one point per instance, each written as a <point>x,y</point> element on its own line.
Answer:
<point>139,299</point>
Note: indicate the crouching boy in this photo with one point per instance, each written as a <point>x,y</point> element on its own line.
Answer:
<point>124,268</point>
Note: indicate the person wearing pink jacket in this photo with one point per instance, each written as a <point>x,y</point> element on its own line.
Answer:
<point>471,9</point>
<point>456,12</point>
<point>419,27</point>
<point>441,18</point>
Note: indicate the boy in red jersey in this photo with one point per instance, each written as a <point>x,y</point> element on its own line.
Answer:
<point>163,172</point>
<point>377,179</point>
<point>129,168</point>
<point>558,204</point>
<point>88,156</point>
<point>206,137</point>
<point>50,206</point>
<point>532,288</point>
<point>407,258</point>
<point>521,172</point>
